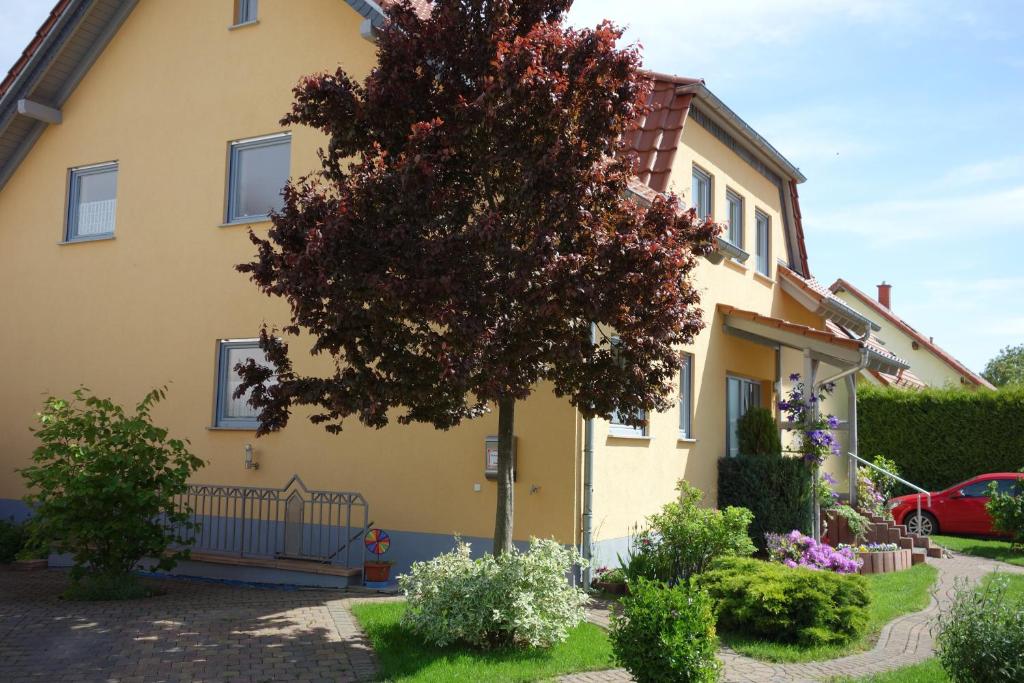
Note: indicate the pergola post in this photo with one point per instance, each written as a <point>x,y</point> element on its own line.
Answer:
<point>810,388</point>
<point>851,385</point>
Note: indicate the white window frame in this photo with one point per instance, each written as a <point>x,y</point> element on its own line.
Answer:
<point>763,242</point>
<point>686,398</point>
<point>743,381</point>
<point>245,12</point>
<point>234,153</point>
<point>737,207</point>
<point>72,217</point>
<point>221,396</point>
<point>705,195</point>
<point>616,427</point>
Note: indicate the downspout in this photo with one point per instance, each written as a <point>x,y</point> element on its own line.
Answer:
<point>588,484</point>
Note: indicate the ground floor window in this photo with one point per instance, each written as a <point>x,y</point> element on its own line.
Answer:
<point>234,412</point>
<point>742,395</point>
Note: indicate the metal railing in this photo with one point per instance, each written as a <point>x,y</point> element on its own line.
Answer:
<point>291,522</point>
<point>901,480</point>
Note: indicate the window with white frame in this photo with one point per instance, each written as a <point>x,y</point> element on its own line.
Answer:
<point>741,395</point>
<point>234,412</point>
<point>686,398</point>
<point>764,243</point>
<point>245,12</point>
<point>92,202</point>
<point>702,192</point>
<point>258,170</point>
<point>735,203</point>
<point>618,426</point>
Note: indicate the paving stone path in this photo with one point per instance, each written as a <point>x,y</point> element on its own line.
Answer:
<point>905,640</point>
<point>195,631</point>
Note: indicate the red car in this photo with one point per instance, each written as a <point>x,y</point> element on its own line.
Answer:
<point>959,509</point>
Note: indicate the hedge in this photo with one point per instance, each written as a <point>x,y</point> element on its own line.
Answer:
<point>775,489</point>
<point>940,437</point>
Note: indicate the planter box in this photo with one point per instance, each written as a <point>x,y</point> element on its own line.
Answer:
<point>377,572</point>
<point>613,588</point>
<point>886,561</point>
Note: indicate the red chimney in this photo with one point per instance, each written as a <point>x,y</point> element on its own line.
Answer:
<point>885,294</point>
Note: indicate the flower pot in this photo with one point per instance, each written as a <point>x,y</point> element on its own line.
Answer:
<point>377,572</point>
<point>30,565</point>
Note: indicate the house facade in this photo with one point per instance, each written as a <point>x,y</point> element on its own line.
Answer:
<point>932,365</point>
<point>139,143</point>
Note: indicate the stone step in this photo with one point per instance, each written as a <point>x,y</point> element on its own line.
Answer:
<point>934,551</point>
<point>906,543</point>
<point>917,557</point>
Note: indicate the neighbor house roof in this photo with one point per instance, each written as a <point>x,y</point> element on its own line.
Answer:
<point>925,342</point>
<point>903,377</point>
<point>820,300</point>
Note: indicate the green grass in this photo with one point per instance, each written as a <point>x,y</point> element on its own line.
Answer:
<point>1015,587</point>
<point>892,594</point>
<point>982,547</point>
<point>928,671</point>
<point>404,657</point>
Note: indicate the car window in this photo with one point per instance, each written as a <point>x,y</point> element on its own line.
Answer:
<point>978,489</point>
<point>1008,485</point>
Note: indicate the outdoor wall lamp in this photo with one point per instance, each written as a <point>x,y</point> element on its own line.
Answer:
<point>250,464</point>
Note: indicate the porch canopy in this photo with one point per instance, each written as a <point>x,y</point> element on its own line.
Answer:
<point>838,347</point>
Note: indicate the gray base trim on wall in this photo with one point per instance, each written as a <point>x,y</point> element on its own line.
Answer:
<point>608,551</point>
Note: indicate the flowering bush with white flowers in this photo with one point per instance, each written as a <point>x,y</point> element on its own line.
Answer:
<point>515,599</point>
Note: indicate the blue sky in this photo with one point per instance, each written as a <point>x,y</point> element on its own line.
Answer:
<point>905,115</point>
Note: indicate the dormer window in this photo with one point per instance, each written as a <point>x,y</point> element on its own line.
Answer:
<point>702,193</point>
<point>245,12</point>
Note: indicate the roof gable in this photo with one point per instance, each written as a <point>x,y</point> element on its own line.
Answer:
<point>904,327</point>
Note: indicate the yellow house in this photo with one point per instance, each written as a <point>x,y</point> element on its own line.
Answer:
<point>933,366</point>
<point>140,141</point>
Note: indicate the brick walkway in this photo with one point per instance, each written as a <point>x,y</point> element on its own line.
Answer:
<point>905,640</point>
<point>194,632</point>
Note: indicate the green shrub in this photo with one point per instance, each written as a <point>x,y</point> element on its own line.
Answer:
<point>666,634</point>
<point>787,605</point>
<point>776,490</point>
<point>885,486</point>
<point>1007,511</point>
<point>940,437</point>
<point>758,433</point>
<point>685,538</point>
<point>12,538</point>
<point>515,599</point>
<point>981,635</point>
<point>103,485</point>
<point>95,587</point>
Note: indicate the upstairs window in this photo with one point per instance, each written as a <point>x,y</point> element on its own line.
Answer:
<point>764,243</point>
<point>231,412</point>
<point>735,218</point>
<point>92,202</point>
<point>245,12</point>
<point>257,172</point>
<point>702,193</point>
<point>686,398</point>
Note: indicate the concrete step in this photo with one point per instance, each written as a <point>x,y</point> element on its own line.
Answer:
<point>906,543</point>
<point>918,556</point>
<point>934,551</point>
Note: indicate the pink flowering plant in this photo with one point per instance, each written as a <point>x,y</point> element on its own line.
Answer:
<point>798,550</point>
<point>815,439</point>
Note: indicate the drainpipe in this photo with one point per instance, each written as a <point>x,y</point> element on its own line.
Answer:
<point>588,483</point>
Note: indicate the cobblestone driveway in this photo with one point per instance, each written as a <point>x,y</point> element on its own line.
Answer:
<point>194,632</point>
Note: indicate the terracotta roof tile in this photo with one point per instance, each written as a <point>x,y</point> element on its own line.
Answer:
<point>33,45</point>
<point>903,326</point>
<point>656,136</point>
<point>872,342</point>
<point>831,336</point>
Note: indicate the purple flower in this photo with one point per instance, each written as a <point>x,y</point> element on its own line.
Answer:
<point>833,422</point>
<point>795,377</point>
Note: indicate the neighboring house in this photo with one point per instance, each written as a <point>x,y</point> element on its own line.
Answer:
<point>932,365</point>
<point>139,143</point>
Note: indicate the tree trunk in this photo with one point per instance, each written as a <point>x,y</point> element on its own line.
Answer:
<point>503,515</point>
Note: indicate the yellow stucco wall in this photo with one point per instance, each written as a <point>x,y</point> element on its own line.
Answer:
<point>930,368</point>
<point>146,308</point>
<point>636,476</point>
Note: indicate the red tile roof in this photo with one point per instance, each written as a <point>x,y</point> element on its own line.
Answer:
<point>33,45</point>
<point>872,343</point>
<point>904,380</point>
<point>830,336</point>
<point>656,136</point>
<point>422,7</point>
<point>903,326</point>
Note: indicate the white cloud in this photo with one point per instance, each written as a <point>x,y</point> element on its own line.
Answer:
<point>975,216</point>
<point>992,170</point>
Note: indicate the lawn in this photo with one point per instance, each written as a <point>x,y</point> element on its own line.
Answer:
<point>928,671</point>
<point>403,657</point>
<point>1015,589</point>
<point>892,594</point>
<point>982,547</point>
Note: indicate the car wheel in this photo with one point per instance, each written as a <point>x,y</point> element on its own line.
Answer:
<point>925,525</point>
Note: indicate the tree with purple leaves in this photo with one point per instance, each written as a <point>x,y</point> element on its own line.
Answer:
<point>471,220</point>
